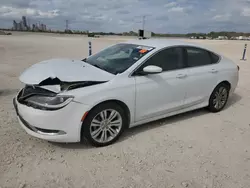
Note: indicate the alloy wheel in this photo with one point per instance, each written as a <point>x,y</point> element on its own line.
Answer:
<point>220,98</point>
<point>106,125</point>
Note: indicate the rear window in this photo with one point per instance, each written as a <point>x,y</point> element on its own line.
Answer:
<point>214,58</point>
<point>197,57</point>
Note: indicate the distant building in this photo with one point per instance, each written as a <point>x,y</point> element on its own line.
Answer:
<point>43,27</point>
<point>242,38</point>
<point>20,26</point>
<point>14,25</point>
<point>23,25</point>
<point>222,38</point>
<point>24,22</point>
<point>33,27</point>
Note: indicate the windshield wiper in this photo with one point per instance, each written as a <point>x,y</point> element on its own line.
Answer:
<point>95,65</point>
<point>102,68</point>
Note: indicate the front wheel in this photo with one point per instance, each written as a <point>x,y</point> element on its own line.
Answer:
<point>218,98</point>
<point>104,124</point>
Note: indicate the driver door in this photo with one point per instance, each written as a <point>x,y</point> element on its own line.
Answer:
<point>162,93</point>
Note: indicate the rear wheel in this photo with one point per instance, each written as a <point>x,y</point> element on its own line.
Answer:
<point>104,124</point>
<point>218,98</point>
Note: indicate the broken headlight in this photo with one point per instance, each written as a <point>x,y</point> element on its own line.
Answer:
<point>49,102</point>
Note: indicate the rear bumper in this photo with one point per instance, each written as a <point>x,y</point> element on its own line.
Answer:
<point>234,83</point>
<point>62,125</point>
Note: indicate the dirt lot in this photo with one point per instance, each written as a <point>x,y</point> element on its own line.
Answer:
<point>197,149</point>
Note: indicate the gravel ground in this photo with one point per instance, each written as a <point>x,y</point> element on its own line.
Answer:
<point>196,149</point>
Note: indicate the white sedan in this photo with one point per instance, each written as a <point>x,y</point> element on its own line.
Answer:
<point>122,86</point>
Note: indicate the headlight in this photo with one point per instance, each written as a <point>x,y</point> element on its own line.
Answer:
<point>49,102</point>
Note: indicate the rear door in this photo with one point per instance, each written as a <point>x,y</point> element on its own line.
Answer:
<point>202,74</point>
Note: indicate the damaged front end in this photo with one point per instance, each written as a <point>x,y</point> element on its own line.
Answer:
<point>43,99</point>
<point>47,82</point>
<point>66,86</point>
<point>47,95</point>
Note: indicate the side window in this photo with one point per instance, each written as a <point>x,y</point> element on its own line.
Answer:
<point>197,57</point>
<point>168,59</point>
<point>214,58</point>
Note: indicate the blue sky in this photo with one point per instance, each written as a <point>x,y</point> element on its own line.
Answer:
<point>166,16</point>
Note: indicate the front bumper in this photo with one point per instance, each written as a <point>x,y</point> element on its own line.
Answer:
<point>63,125</point>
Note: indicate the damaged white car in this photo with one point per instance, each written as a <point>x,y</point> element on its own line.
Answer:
<point>122,86</point>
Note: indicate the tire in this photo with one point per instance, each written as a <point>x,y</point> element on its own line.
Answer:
<point>96,126</point>
<point>221,93</point>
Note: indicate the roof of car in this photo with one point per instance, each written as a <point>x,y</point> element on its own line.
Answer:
<point>162,43</point>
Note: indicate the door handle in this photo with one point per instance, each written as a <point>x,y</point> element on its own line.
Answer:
<point>214,71</point>
<point>181,76</point>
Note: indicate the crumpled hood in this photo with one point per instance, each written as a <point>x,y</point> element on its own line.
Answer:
<point>65,70</point>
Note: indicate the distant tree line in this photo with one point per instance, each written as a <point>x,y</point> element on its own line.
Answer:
<point>217,34</point>
<point>204,35</point>
<point>212,34</point>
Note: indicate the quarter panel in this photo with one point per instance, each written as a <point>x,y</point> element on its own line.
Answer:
<point>228,71</point>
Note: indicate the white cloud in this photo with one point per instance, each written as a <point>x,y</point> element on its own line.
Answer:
<point>12,12</point>
<point>246,12</point>
<point>212,10</point>
<point>121,22</point>
<point>176,9</point>
<point>222,17</point>
<point>171,4</point>
<point>30,12</point>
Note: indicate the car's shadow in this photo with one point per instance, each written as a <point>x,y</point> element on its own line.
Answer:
<point>7,92</point>
<point>235,98</point>
<point>155,124</point>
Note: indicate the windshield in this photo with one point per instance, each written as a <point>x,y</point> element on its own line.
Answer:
<point>118,58</point>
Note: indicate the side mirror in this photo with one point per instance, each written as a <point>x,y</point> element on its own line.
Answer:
<point>152,69</point>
